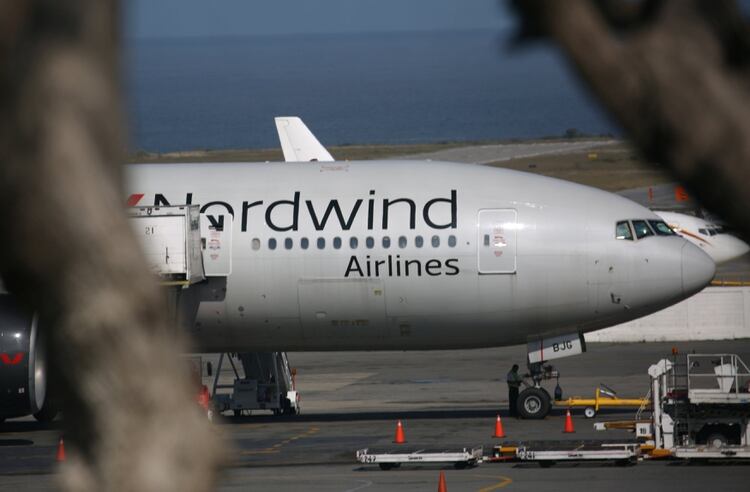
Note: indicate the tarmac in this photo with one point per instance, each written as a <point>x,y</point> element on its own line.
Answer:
<point>445,399</point>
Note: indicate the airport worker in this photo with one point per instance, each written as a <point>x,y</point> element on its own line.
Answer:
<point>514,383</point>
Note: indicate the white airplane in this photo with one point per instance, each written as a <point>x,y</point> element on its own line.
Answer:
<point>405,255</point>
<point>710,237</point>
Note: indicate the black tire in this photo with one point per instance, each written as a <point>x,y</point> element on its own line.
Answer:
<point>48,413</point>
<point>386,466</point>
<point>533,404</point>
<point>717,440</point>
<point>461,465</point>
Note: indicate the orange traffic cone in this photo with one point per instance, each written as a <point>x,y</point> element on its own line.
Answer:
<point>499,432</point>
<point>441,483</point>
<point>400,438</point>
<point>60,456</point>
<point>568,423</point>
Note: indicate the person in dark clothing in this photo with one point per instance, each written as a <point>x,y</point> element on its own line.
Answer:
<point>514,381</point>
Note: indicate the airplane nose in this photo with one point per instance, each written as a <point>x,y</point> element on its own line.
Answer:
<point>698,269</point>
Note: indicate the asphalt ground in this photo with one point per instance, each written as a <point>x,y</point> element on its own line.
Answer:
<point>446,400</point>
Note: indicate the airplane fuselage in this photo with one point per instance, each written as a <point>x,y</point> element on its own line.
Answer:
<point>417,255</point>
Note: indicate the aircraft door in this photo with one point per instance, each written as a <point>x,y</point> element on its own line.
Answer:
<point>496,241</point>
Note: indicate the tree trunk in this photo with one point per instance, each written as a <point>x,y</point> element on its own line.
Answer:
<point>68,252</point>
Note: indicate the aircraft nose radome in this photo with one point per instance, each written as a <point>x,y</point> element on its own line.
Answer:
<point>698,269</point>
<point>739,247</point>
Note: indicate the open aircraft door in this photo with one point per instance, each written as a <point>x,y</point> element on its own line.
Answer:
<point>496,241</point>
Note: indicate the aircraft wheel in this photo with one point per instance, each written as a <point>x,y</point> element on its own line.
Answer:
<point>533,404</point>
<point>589,412</point>
<point>47,413</point>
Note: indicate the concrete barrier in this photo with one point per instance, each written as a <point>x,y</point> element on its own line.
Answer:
<point>716,313</point>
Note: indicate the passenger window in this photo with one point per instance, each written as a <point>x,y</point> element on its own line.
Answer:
<point>661,228</point>
<point>418,241</point>
<point>369,242</point>
<point>487,240</point>
<point>622,231</point>
<point>402,242</point>
<point>272,243</point>
<point>642,229</point>
<point>304,243</point>
<point>337,243</point>
<point>255,244</point>
<point>353,243</point>
<point>435,241</point>
<point>452,241</point>
<point>321,243</point>
<point>386,242</point>
<point>288,243</point>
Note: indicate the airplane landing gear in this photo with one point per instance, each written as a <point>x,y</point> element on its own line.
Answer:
<point>535,402</point>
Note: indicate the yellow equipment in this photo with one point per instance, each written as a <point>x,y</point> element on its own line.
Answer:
<point>603,398</point>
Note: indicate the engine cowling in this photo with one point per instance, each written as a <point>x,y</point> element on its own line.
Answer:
<point>23,365</point>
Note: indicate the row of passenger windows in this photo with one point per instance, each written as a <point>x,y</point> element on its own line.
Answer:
<point>711,231</point>
<point>628,229</point>
<point>337,242</point>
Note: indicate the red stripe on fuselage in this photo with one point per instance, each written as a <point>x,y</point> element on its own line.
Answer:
<point>134,199</point>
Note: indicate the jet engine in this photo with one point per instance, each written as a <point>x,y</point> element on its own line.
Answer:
<point>23,365</point>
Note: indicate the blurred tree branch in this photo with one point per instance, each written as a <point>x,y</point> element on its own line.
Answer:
<point>674,74</point>
<point>68,252</point>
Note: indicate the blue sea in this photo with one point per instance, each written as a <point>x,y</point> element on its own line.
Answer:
<point>393,88</point>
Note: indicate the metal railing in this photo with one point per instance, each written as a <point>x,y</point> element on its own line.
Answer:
<point>726,373</point>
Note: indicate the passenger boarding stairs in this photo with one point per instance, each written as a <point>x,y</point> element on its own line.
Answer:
<point>191,254</point>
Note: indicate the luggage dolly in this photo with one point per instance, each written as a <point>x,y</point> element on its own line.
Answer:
<point>388,459</point>
<point>622,454</point>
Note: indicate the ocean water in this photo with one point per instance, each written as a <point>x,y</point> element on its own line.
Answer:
<point>219,93</point>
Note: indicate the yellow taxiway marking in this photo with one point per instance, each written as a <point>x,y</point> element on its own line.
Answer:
<point>504,482</point>
<point>276,448</point>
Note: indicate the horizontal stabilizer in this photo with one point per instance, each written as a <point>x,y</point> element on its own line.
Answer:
<point>297,141</point>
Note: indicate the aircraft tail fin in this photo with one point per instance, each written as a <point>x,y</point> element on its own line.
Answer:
<point>297,141</point>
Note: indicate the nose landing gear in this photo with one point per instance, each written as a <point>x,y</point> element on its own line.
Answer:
<point>535,402</point>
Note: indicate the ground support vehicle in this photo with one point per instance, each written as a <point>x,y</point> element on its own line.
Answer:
<point>700,400</point>
<point>604,397</point>
<point>548,452</point>
<point>619,453</point>
<point>700,408</point>
<point>393,458</point>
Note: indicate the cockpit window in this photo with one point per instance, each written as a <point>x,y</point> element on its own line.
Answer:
<point>661,228</point>
<point>622,231</point>
<point>703,231</point>
<point>642,229</point>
